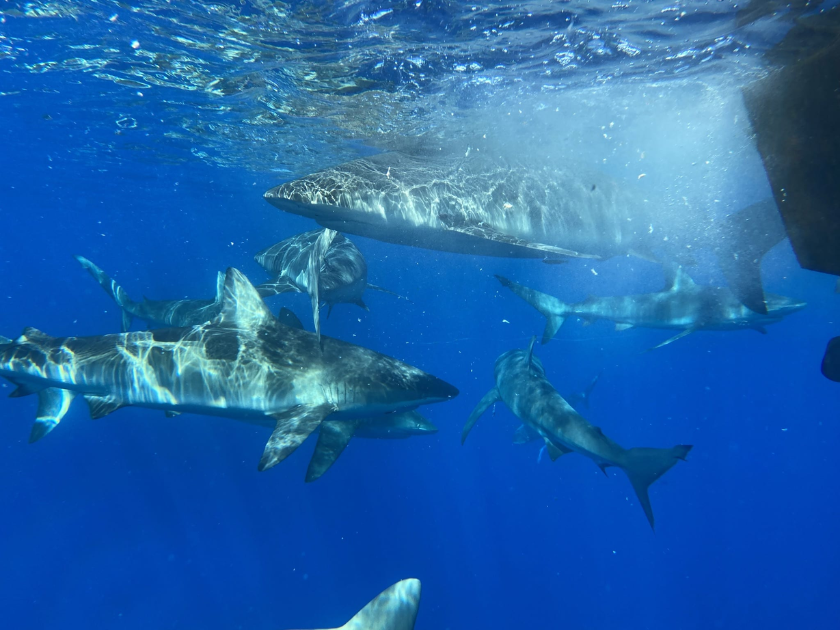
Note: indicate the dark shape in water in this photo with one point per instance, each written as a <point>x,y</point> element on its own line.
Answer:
<point>831,360</point>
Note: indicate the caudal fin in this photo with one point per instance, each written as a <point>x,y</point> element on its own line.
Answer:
<point>114,290</point>
<point>643,466</point>
<point>552,309</point>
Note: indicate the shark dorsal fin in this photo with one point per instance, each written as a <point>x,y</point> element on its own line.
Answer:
<point>242,306</point>
<point>531,351</point>
<point>220,287</point>
<point>676,278</point>
<point>395,608</point>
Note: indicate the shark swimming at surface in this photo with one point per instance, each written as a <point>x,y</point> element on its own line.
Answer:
<point>157,313</point>
<point>489,207</point>
<point>682,305</point>
<point>244,365</point>
<point>395,608</point>
<point>522,385</point>
<point>322,263</point>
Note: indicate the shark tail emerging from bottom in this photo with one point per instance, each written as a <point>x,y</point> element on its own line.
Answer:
<point>551,308</point>
<point>395,608</point>
<point>115,291</point>
<point>643,466</point>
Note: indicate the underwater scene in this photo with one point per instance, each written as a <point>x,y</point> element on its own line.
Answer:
<point>419,314</point>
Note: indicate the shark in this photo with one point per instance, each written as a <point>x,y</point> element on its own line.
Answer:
<point>157,313</point>
<point>335,435</point>
<point>522,385</point>
<point>322,263</point>
<point>395,608</point>
<point>682,305</point>
<point>244,365</point>
<point>486,206</point>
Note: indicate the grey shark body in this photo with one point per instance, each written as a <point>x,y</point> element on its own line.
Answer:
<point>682,305</point>
<point>522,385</point>
<point>484,206</point>
<point>395,608</point>
<point>244,365</point>
<point>322,263</point>
<point>157,313</point>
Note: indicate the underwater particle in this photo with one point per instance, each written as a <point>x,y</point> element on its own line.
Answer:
<point>641,175</point>
<point>594,273</point>
<point>113,18</point>
<point>135,44</point>
<point>504,321</point>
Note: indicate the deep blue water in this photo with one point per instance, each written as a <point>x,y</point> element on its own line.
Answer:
<point>141,521</point>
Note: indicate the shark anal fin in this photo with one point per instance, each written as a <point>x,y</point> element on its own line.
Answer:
<point>556,451</point>
<point>360,303</point>
<point>172,414</point>
<point>101,406</point>
<point>53,403</point>
<point>760,329</point>
<point>488,399</point>
<point>333,438</point>
<point>620,326</point>
<point>603,468</point>
<point>525,434</point>
<point>293,427</point>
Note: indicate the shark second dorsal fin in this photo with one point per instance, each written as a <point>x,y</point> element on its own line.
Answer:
<point>531,351</point>
<point>242,306</point>
<point>676,278</point>
<point>395,608</point>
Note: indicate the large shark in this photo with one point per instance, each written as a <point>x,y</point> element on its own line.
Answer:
<point>244,365</point>
<point>483,206</point>
<point>682,305</point>
<point>395,608</point>
<point>522,385</point>
<point>322,263</point>
<point>156,313</point>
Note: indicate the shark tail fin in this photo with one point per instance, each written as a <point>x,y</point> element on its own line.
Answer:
<point>742,240</point>
<point>115,291</point>
<point>552,309</point>
<point>395,608</point>
<point>313,273</point>
<point>643,466</point>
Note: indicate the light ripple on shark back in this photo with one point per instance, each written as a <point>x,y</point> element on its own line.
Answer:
<point>244,365</point>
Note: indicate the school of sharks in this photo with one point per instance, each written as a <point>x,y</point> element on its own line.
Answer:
<point>229,355</point>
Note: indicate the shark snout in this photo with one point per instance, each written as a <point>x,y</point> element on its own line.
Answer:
<point>433,389</point>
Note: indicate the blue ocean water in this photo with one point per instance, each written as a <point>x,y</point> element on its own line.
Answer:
<point>143,138</point>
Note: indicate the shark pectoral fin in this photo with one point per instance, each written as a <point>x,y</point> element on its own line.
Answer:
<point>619,327</point>
<point>643,253</point>
<point>525,434</point>
<point>373,287</point>
<point>288,318</point>
<point>395,608</point>
<point>643,466</point>
<point>333,438</point>
<point>361,304</point>
<point>4,340</point>
<point>489,398</point>
<point>682,334</point>
<point>125,322</point>
<point>53,403</point>
<point>276,287</point>
<point>513,243</point>
<point>101,406</point>
<point>292,428</point>
<point>555,450</point>
<point>313,273</point>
